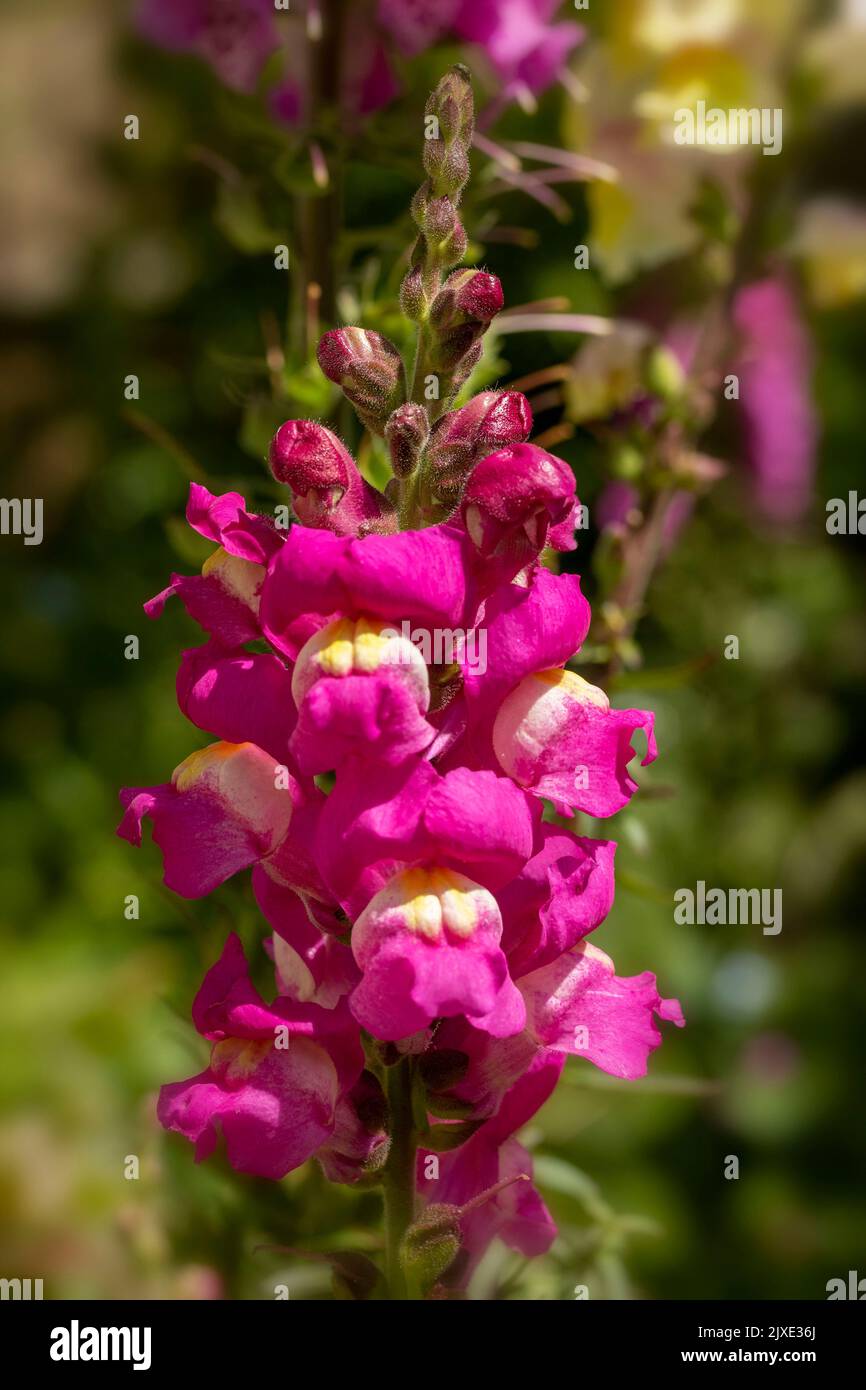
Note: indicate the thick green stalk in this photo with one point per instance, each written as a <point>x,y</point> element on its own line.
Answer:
<point>398,1181</point>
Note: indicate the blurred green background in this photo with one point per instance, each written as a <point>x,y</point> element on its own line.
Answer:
<point>155,257</point>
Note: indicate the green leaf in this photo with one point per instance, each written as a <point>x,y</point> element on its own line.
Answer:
<point>563,1177</point>
<point>242,220</point>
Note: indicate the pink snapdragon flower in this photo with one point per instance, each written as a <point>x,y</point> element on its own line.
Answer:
<point>387,793</point>
<point>236,37</point>
<point>774,364</point>
<point>275,1076</point>
<point>526,49</point>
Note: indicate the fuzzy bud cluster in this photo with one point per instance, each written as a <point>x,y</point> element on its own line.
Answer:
<point>449,122</point>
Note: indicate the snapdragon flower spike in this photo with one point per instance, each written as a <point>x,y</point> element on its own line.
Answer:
<point>369,371</point>
<point>422,906</point>
<point>557,735</point>
<point>270,1089</point>
<point>327,488</point>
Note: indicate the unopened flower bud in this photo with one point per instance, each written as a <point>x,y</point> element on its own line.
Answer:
<point>449,118</point>
<point>406,433</point>
<point>468,296</point>
<point>451,251</point>
<point>520,499</point>
<point>429,1246</point>
<point>413,300</point>
<point>453,104</point>
<point>461,314</point>
<point>368,368</point>
<point>440,218</point>
<point>327,489</point>
<point>463,371</point>
<point>491,420</point>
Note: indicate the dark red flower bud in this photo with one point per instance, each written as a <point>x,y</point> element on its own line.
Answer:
<point>468,296</point>
<point>491,420</point>
<point>327,489</point>
<point>368,368</point>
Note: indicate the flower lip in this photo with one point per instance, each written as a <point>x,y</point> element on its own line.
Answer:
<point>359,646</point>
<point>433,903</point>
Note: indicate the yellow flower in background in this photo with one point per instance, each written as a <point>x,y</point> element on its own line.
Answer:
<point>830,241</point>
<point>651,60</point>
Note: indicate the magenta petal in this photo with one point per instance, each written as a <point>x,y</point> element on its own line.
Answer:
<point>414,575</point>
<point>371,826</point>
<point>222,812</point>
<point>407,985</point>
<point>311,966</point>
<point>223,599</point>
<point>516,1214</point>
<point>428,946</point>
<point>563,892</point>
<point>529,628</point>
<point>476,822</point>
<point>238,696</point>
<point>224,519</point>
<point>774,366</point>
<point>274,1108</point>
<point>416,24</point>
<point>577,1004</point>
<point>481,821</point>
<point>227,1004</point>
<point>557,736</point>
<point>374,716</point>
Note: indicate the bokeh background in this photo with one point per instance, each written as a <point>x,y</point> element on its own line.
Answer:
<point>155,257</point>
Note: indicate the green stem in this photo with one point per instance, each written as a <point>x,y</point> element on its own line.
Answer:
<point>399,1175</point>
<point>320,214</point>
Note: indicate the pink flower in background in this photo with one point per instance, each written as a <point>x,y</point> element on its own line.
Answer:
<point>527,49</point>
<point>235,36</point>
<point>416,24</point>
<point>524,44</point>
<point>774,365</point>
